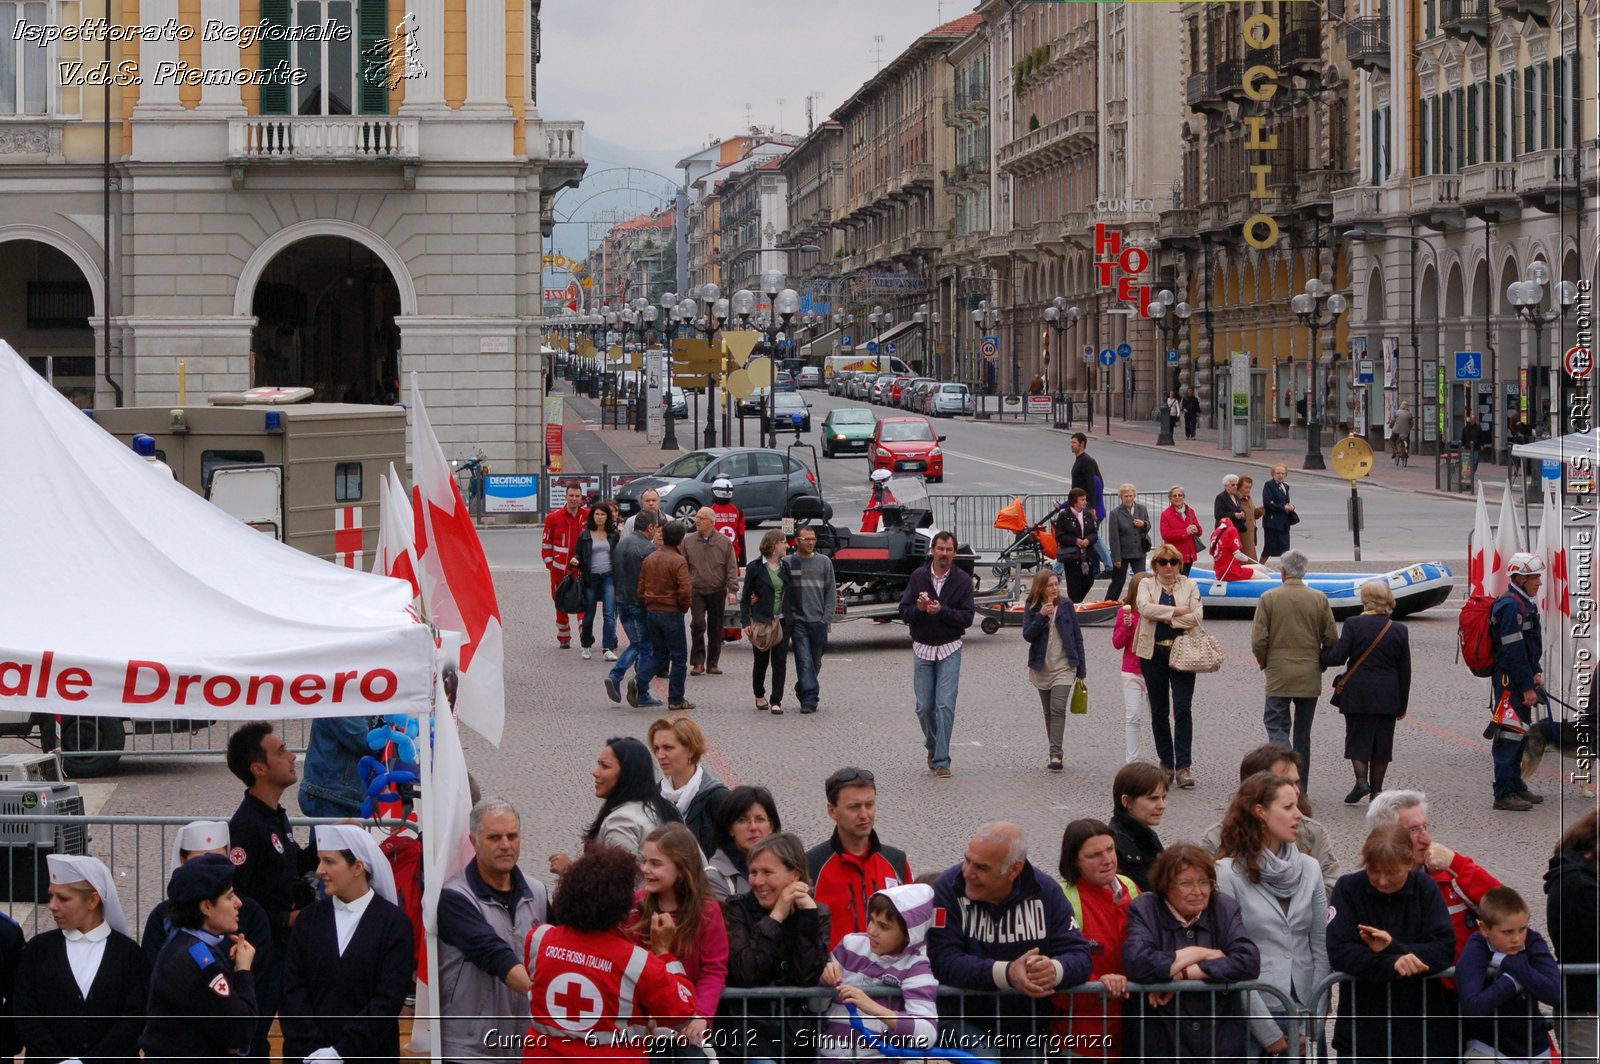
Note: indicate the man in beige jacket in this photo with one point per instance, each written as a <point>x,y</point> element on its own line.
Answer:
<point>714,577</point>
<point>1294,624</point>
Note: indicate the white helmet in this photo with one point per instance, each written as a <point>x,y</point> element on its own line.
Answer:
<point>1524,564</point>
<point>881,476</point>
<point>722,489</point>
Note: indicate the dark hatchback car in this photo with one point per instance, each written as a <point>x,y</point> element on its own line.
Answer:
<point>764,482</point>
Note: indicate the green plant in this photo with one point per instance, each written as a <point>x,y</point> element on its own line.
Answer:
<point>838,253</point>
<point>1033,123</point>
<point>1027,65</point>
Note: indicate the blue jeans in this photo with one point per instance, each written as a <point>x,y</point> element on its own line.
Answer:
<point>810,640</point>
<point>670,643</point>
<point>601,590</point>
<point>935,684</point>
<point>1276,716</point>
<point>635,624</point>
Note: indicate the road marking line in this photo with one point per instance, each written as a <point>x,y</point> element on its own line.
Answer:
<point>1005,465</point>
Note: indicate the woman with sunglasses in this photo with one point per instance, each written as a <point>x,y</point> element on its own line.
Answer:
<point>1180,527</point>
<point>1169,605</point>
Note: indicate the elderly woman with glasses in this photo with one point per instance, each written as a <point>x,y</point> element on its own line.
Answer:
<point>1169,605</point>
<point>1185,929</point>
<point>1180,527</point>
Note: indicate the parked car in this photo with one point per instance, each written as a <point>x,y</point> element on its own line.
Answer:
<point>907,444</point>
<point>764,482</point>
<point>908,393</point>
<point>839,383</point>
<point>847,428</point>
<point>861,387</point>
<point>787,406</point>
<point>918,404</point>
<point>880,387</point>
<point>950,399</point>
<point>896,389</point>
<point>785,382</point>
<point>808,377</point>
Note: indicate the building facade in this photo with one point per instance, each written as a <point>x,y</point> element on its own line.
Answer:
<point>1477,149</point>
<point>372,205</point>
<point>755,213</point>
<point>637,258</point>
<point>814,173</point>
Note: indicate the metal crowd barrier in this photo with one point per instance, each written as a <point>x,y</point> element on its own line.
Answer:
<point>1444,1034</point>
<point>971,517</point>
<point>137,849</point>
<point>1003,1026</point>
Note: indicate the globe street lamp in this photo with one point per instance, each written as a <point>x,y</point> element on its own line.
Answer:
<point>1308,307</point>
<point>1058,316</point>
<point>924,317</point>
<point>1525,297</point>
<point>1171,318</point>
<point>985,319</point>
<point>880,320</point>
<point>682,315</point>
<point>785,304</point>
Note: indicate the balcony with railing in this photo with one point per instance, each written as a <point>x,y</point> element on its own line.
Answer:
<point>917,175</point>
<point>1437,197</point>
<point>1538,10</point>
<point>1211,90</point>
<point>1300,46</point>
<point>285,138</point>
<point>1548,180</point>
<point>1214,216</point>
<point>1035,146</point>
<point>1366,42</point>
<point>563,141</point>
<point>1177,226</point>
<point>1049,234</point>
<point>1314,189</point>
<point>1464,18</point>
<point>1489,191</point>
<point>1357,204</point>
<point>1083,124</point>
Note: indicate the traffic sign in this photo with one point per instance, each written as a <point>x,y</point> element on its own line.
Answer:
<point>1364,371</point>
<point>1469,366</point>
<point>741,342</point>
<point>888,348</point>
<point>872,345</point>
<point>847,341</point>
<point>1172,356</point>
<point>1124,350</point>
<point>990,347</point>
<point>1578,362</point>
<point>1108,357</point>
<point>1088,354</point>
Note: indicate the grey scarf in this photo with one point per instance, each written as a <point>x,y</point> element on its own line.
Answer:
<point>1281,870</point>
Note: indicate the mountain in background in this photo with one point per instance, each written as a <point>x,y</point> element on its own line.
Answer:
<point>608,192</point>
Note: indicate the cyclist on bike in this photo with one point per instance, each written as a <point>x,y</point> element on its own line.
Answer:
<point>1400,434</point>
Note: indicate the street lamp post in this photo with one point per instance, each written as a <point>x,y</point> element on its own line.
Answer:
<point>1058,315</point>
<point>1308,306</point>
<point>681,316</point>
<point>924,317</point>
<point>880,320</point>
<point>1525,297</point>
<point>984,319</point>
<point>713,312</point>
<point>1170,318</point>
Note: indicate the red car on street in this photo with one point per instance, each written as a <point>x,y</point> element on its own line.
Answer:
<point>908,445</point>
<point>893,396</point>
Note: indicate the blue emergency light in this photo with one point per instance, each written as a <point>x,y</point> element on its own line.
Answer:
<point>274,421</point>
<point>144,446</point>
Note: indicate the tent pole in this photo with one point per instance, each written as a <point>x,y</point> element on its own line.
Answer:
<point>429,837</point>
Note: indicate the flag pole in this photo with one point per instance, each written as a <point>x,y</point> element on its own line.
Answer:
<point>429,838</point>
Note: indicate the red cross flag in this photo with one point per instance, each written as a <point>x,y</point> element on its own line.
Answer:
<point>347,538</point>
<point>1481,562</point>
<point>457,588</point>
<point>396,553</point>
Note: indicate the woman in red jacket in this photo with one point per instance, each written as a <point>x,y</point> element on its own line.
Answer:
<point>1100,898</point>
<point>1180,524</point>
<point>677,905</point>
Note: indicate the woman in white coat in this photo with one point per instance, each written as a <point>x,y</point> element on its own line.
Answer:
<point>1281,898</point>
<point>1169,605</point>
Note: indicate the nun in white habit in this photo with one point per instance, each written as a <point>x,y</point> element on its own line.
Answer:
<point>81,988</point>
<point>350,957</point>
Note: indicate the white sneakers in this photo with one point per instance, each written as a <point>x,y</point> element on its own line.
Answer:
<point>611,655</point>
<point>586,654</point>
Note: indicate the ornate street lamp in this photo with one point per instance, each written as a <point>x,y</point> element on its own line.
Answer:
<point>1525,298</point>
<point>713,313</point>
<point>1308,307</point>
<point>1170,318</point>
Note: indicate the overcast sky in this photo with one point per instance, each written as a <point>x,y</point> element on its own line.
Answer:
<point>664,76</point>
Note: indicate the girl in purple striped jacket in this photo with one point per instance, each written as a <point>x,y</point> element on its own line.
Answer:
<point>889,951</point>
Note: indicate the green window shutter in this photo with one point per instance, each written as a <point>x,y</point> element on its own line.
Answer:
<point>1529,114</point>
<point>1544,105</point>
<point>1422,140</point>
<point>1472,124</point>
<point>1500,119</point>
<point>1559,71</point>
<point>1374,142</point>
<point>275,97</point>
<point>372,32</point>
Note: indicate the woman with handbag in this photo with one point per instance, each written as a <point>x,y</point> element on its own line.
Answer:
<point>1278,513</point>
<point>1170,608</point>
<point>1180,527</point>
<point>761,614</point>
<point>1375,690</point>
<point>1076,535</point>
<point>1056,665</point>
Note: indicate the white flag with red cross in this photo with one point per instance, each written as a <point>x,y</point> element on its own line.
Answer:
<point>457,588</point>
<point>1507,541</point>
<point>347,537</point>
<point>396,553</point>
<point>1481,560</point>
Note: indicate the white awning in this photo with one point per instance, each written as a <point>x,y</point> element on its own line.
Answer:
<point>823,345</point>
<point>899,330</point>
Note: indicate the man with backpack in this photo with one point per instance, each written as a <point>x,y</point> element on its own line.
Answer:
<point>1517,678</point>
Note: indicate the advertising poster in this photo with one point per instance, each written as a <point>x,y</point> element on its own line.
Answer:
<point>655,426</point>
<point>516,494</point>
<point>554,412</point>
<point>1391,383</point>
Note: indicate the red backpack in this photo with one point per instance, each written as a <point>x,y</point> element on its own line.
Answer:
<point>1475,634</point>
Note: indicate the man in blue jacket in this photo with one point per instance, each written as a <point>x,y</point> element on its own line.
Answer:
<point>1519,644</point>
<point>1000,924</point>
<point>938,606</point>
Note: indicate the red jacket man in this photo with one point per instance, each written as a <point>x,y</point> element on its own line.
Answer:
<point>852,866</point>
<point>561,531</point>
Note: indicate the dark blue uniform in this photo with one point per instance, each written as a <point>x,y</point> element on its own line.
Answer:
<point>270,868</point>
<point>253,925</point>
<point>200,1007</point>
<point>57,1021</point>
<point>1519,644</point>
<point>11,942</point>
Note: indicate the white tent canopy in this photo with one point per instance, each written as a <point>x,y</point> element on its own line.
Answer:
<point>1559,449</point>
<point>128,595</point>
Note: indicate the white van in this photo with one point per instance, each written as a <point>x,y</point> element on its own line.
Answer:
<point>863,362</point>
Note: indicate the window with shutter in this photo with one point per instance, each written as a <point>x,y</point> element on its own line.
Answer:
<point>1375,145</point>
<point>1438,137</point>
<point>1544,106</point>
<point>1529,112</point>
<point>1500,119</point>
<point>274,51</point>
<point>1559,102</point>
<point>1461,131</point>
<point>1472,125</point>
<point>373,39</point>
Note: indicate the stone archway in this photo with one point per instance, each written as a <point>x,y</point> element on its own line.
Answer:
<point>325,309</point>
<point>50,299</point>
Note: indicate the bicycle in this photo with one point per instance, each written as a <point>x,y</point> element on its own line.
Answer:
<point>1401,449</point>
